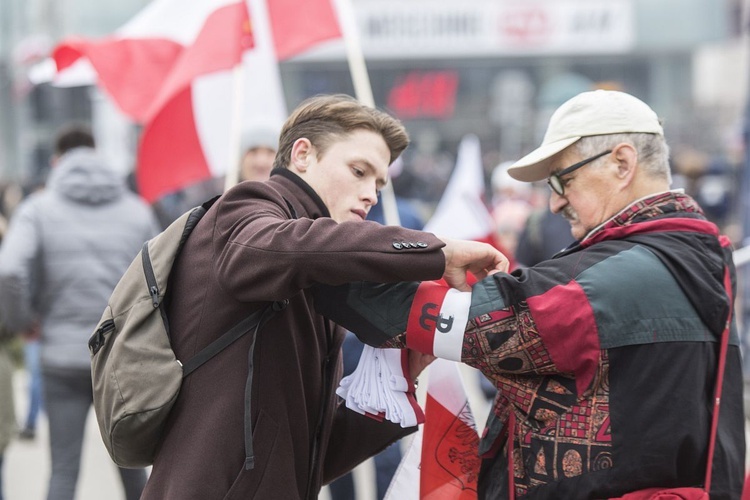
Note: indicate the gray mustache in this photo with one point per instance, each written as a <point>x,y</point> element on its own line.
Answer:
<point>568,213</point>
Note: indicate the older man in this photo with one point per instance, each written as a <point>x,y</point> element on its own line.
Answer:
<point>605,357</point>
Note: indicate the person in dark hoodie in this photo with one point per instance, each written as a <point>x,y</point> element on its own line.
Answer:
<point>605,356</point>
<point>65,250</point>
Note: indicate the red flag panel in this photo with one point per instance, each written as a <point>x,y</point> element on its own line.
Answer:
<point>225,35</point>
<point>170,155</point>
<point>450,459</point>
<point>296,26</point>
<point>131,70</point>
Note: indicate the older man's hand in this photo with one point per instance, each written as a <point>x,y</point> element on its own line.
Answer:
<point>481,259</point>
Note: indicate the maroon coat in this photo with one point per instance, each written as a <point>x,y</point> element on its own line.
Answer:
<point>252,247</point>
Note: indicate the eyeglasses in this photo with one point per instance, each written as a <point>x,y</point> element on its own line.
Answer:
<point>555,180</point>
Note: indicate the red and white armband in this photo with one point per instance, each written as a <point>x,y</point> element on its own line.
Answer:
<point>437,320</point>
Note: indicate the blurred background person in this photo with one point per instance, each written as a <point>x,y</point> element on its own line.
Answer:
<point>710,179</point>
<point>511,205</point>
<point>7,407</point>
<point>10,195</point>
<point>258,146</point>
<point>65,250</point>
<point>31,357</point>
<point>543,235</point>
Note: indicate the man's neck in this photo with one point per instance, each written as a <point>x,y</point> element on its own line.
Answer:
<point>645,186</point>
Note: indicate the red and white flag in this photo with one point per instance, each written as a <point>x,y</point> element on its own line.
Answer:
<point>442,460</point>
<point>461,212</point>
<point>145,60</point>
<point>170,68</point>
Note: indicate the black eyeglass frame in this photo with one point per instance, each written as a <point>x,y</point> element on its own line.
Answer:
<point>554,180</point>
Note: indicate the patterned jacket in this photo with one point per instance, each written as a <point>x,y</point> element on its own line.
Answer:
<point>604,356</point>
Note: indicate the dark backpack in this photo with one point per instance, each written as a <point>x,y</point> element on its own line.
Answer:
<point>135,374</point>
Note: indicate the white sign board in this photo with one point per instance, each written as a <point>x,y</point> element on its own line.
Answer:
<point>398,29</point>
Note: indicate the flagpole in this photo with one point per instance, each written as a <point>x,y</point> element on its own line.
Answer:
<point>363,91</point>
<point>233,167</point>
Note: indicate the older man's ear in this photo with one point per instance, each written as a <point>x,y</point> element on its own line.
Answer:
<point>626,157</point>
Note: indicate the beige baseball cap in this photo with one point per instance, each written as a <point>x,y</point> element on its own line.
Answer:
<point>598,112</point>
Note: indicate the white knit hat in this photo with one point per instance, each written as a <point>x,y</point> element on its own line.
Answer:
<point>598,112</point>
<point>260,135</point>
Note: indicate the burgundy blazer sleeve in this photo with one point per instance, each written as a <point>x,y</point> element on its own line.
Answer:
<point>261,243</point>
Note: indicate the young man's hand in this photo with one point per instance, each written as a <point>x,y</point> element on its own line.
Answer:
<point>482,259</point>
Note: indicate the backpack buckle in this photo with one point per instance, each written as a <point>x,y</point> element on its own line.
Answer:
<point>96,341</point>
<point>280,305</point>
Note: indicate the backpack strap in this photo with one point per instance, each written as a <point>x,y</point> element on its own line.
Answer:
<point>157,299</point>
<point>218,345</point>
<point>719,381</point>
<point>253,322</point>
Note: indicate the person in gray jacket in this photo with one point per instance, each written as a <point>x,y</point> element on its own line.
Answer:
<point>65,250</point>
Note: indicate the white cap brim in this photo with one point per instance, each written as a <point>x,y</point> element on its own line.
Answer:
<point>535,165</point>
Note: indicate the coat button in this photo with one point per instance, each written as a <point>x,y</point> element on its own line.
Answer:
<point>397,245</point>
<point>421,244</point>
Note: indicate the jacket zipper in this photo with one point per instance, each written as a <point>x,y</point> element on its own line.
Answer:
<point>318,431</point>
<point>148,270</point>
<point>314,473</point>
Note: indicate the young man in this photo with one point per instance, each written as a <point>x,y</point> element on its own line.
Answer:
<point>272,241</point>
<point>605,357</point>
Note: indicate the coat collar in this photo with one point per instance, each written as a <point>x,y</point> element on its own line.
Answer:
<point>665,204</point>
<point>299,194</point>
